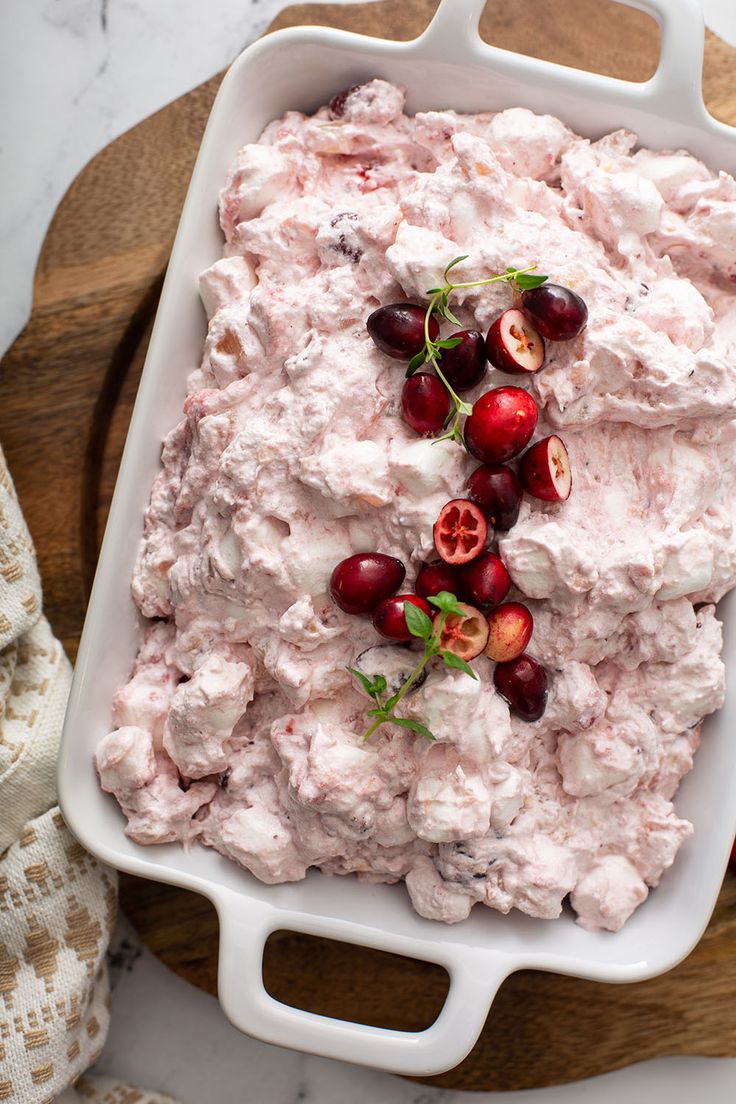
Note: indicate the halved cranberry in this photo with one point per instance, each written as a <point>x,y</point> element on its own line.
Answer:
<point>434,578</point>
<point>360,582</point>
<point>389,619</point>
<point>467,635</point>
<point>460,532</point>
<point>510,629</point>
<point>485,582</point>
<point>514,345</point>
<point>398,329</point>
<point>523,684</point>
<point>558,312</point>
<point>501,425</point>
<point>497,490</point>
<point>464,365</point>
<point>425,403</point>
<point>545,470</point>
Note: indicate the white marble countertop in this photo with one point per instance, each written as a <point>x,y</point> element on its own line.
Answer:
<point>74,74</point>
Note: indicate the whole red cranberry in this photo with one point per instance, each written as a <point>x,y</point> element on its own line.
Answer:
<point>433,578</point>
<point>484,582</point>
<point>389,619</point>
<point>361,581</point>
<point>425,404</point>
<point>398,329</point>
<point>523,683</point>
<point>501,425</point>
<point>497,490</point>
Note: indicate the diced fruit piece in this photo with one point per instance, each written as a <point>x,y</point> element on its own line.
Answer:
<point>464,365</point>
<point>497,490</point>
<point>522,682</point>
<point>732,860</point>
<point>433,578</point>
<point>389,619</point>
<point>398,329</point>
<point>545,470</point>
<point>510,628</point>
<point>337,103</point>
<point>501,425</point>
<point>485,581</point>
<point>558,312</point>
<point>464,636</point>
<point>425,404</point>
<point>360,582</point>
<point>460,532</point>
<point>394,662</point>
<point>514,345</point>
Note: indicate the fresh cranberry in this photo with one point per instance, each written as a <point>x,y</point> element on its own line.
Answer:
<point>732,859</point>
<point>485,581</point>
<point>425,404</point>
<point>398,329</point>
<point>501,425</point>
<point>523,684</point>
<point>389,619</point>
<point>434,578</point>
<point>545,470</point>
<point>460,531</point>
<point>465,636</point>
<point>464,366</point>
<point>510,629</point>
<point>497,490</point>
<point>337,103</point>
<point>360,582</point>
<point>558,313</point>
<point>514,345</point>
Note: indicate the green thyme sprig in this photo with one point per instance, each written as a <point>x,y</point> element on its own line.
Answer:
<point>439,303</point>
<point>423,628</point>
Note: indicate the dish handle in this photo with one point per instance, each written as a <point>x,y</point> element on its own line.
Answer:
<point>675,89</point>
<point>244,928</point>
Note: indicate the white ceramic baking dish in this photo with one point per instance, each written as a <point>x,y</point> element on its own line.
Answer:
<point>448,66</point>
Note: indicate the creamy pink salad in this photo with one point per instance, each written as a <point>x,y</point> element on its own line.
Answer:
<point>240,727</point>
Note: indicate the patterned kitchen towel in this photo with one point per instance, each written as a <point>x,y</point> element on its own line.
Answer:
<point>57,903</point>
<point>101,1090</point>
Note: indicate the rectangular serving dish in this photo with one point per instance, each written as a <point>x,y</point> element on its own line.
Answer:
<point>449,65</point>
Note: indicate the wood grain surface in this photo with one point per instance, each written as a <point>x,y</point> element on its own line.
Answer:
<point>66,391</point>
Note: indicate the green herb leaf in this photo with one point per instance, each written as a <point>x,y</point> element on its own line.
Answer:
<point>456,261</point>
<point>391,702</point>
<point>378,713</point>
<point>414,726</point>
<point>416,362</point>
<point>446,602</point>
<point>379,684</point>
<point>452,660</point>
<point>433,291</point>
<point>527,280</point>
<point>364,682</point>
<point>452,318</point>
<point>417,621</point>
<point>448,343</point>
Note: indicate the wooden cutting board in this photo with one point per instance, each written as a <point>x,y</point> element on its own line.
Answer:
<point>66,392</point>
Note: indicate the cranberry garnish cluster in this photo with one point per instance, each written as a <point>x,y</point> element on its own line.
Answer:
<point>449,629</point>
<point>456,630</point>
<point>461,537</point>
<point>458,606</point>
<point>501,423</point>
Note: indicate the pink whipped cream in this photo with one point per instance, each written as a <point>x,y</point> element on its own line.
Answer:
<point>240,727</point>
